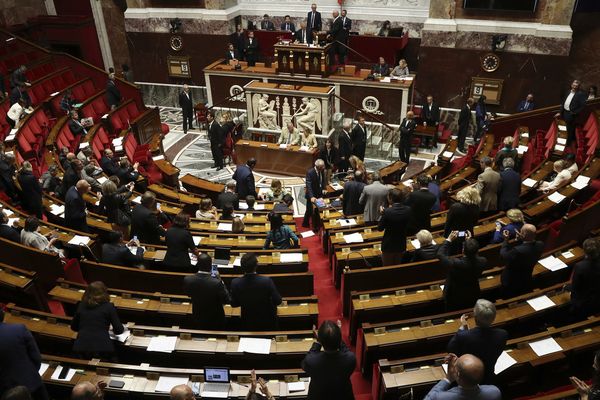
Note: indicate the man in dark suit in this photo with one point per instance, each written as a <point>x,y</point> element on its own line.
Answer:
<point>31,190</point>
<point>510,186</point>
<point>527,104</point>
<point>208,294</point>
<point>345,147</point>
<point>251,49</point>
<point>229,196</point>
<point>113,95</point>
<point>336,33</point>
<point>9,232</point>
<point>394,221</point>
<point>217,138</point>
<point>108,163</point>
<point>76,127</point>
<point>585,297</point>
<point>407,128</point>
<point>7,175</point>
<point>431,112</point>
<point>381,68</point>
<point>483,341</point>
<point>421,202</point>
<point>519,258</point>
<point>257,296</point>
<point>145,220</point>
<point>127,173</point>
<point>313,20</point>
<point>187,108</point>
<point>244,179</point>
<point>315,183</point>
<point>115,252</point>
<point>329,369</point>
<point>75,210</point>
<point>231,53</point>
<point>359,138</point>
<point>570,107</point>
<point>301,35</point>
<point>266,24</point>
<point>288,25</point>
<point>20,359</point>
<point>238,40</point>
<point>352,191</point>
<point>464,120</point>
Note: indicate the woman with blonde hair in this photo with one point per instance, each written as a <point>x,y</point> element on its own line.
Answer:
<point>207,210</point>
<point>463,215</point>
<point>95,314</point>
<point>356,164</point>
<point>506,152</point>
<point>516,221</point>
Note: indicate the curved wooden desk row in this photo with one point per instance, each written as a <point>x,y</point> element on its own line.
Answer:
<point>141,381</point>
<point>530,373</point>
<point>169,309</point>
<point>192,347</point>
<point>20,286</point>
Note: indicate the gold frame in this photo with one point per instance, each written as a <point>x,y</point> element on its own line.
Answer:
<point>179,66</point>
<point>491,88</point>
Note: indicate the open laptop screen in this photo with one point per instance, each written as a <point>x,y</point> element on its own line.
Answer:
<point>217,375</point>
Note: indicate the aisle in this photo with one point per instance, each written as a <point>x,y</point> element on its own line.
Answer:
<point>330,306</point>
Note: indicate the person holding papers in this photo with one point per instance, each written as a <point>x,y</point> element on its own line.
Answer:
<point>519,259</point>
<point>330,368</point>
<point>482,341</point>
<point>180,244</point>
<point>315,184</point>
<point>257,296</point>
<point>92,321</point>
<point>280,235</point>
<point>585,297</point>
<point>394,221</point>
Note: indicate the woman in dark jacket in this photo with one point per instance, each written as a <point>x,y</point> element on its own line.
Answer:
<point>463,216</point>
<point>180,243</point>
<point>585,298</point>
<point>95,314</point>
<point>115,205</point>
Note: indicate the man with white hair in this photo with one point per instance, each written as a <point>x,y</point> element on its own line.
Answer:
<point>315,183</point>
<point>187,108</point>
<point>482,341</point>
<point>229,196</point>
<point>75,209</point>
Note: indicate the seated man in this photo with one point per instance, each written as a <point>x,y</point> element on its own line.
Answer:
<point>401,70</point>
<point>285,205</point>
<point>77,126</point>
<point>427,248</point>
<point>381,68</point>
<point>232,53</point>
<point>117,253</point>
<point>289,135</point>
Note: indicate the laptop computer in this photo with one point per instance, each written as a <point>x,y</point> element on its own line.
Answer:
<point>222,255</point>
<point>216,382</point>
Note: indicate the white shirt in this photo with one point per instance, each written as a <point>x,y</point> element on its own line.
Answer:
<point>567,105</point>
<point>15,112</point>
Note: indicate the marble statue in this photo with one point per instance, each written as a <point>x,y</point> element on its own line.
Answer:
<point>309,114</point>
<point>264,112</point>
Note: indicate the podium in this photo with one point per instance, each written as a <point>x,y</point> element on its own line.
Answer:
<point>302,59</point>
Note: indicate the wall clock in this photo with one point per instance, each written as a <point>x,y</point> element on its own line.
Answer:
<point>176,42</point>
<point>490,62</point>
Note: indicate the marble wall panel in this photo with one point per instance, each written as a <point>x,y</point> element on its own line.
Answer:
<point>13,12</point>
<point>189,26</point>
<point>168,95</point>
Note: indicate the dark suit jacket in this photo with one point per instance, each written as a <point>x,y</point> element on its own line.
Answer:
<point>290,26</point>
<point>20,358</point>
<point>113,95</point>
<point>238,41</point>
<point>109,166</point>
<point>577,104</point>
<point>314,185</point>
<point>31,193</point>
<point>432,117</point>
<point>585,298</point>
<point>186,103</point>
<point>337,30</point>
<point>464,118</point>
<point>421,203</point>
<point>75,216</point>
<point>145,225</point>
<point>394,222</point>
<point>350,201</point>
<point>119,254</point>
<point>216,134</point>
<point>329,373</point>
<point>235,56</point>
<point>485,343</point>
<point>208,295</point>
<point>407,128</point>
<point>524,106</point>
<point>307,36</point>
<point>267,25</point>
<point>520,259</point>
<point>510,189</point>
<point>75,127</point>
<point>462,283</point>
<point>92,325</point>
<point>228,197</point>
<point>127,175</point>
<point>259,298</point>
<point>345,145</point>
<point>244,181</point>
<point>330,158</point>
<point>179,242</point>
<point>359,141</point>
<point>10,233</point>
<point>425,253</point>
<point>383,70</point>
<point>317,24</point>
<point>251,49</point>
<point>461,217</point>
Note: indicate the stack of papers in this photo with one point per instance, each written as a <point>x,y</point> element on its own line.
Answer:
<point>166,383</point>
<point>307,234</point>
<point>546,346</point>
<point>447,154</point>
<point>258,207</point>
<point>559,147</point>
<point>122,337</point>
<point>83,145</point>
<point>11,135</point>
<point>254,345</point>
<point>386,79</point>
<point>581,182</point>
<point>346,222</point>
<point>57,210</point>
<point>118,144</point>
<point>11,221</point>
<point>224,226</point>
<point>101,179</point>
<point>561,141</point>
<point>525,134</point>
<point>417,245</point>
<point>552,263</point>
<point>354,238</point>
<point>529,182</point>
<point>304,148</point>
<point>162,344</point>
<point>296,386</point>
<point>77,240</point>
<point>541,303</point>
<point>522,149</point>
<point>562,128</point>
<point>336,186</point>
<point>290,257</point>
<point>503,362</point>
<point>556,197</point>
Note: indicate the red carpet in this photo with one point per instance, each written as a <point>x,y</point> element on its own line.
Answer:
<point>330,306</point>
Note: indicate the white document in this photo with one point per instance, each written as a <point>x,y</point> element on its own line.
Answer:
<point>522,149</point>
<point>562,128</point>
<point>541,303</point>
<point>416,244</point>
<point>162,344</point>
<point>137,200</point>
<point>117,141</point>
<point>307,234</point>
<point>354,238</point>
<point>54,94</point>
<point>578,185</point>
<point>408,183</point>
<point>336,186</point>
<point>121,337</point>
<point>556,197</point>
<point>197,240</point>
<point>83,145</point>
<point>304,148</point>
<point>529,182</point>
<point>504,362</point>
<point>133,249</point>
<point>264,145</point>
<point>445,367</point>
<point>386,79</point>
<point>157,158</point>
<point>166,383</point>
<point>118,148</point>
<point>57,210</point>
<point>546,346</point>
<point>290,257</point>
<point>561,140</point>
<point>583,179</point>
<point>254,345</point>
<point>237,262</point>
<point>347,222</point>
<point>525,134</point>
<point>568,254</point>
<point>447,154</point>
<point>559,147</point>
<point>67,378</point>
<point>258,207</point>
<point>101,179</point>
<point>240,216</point>
<point>552,263</point>
<point>43,368</point>
<point>243,205</point>
<point>193,258</point>
<point>296,386</point>
<point>283,146</point>
<point>77,240</point>
<point>224,227</point>
<point>11,221</point>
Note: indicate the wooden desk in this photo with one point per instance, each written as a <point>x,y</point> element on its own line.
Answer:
<point>202,187</point>
<point>273,159</point>
<point>302,59</point>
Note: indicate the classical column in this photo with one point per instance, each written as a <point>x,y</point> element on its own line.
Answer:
<point>102,34</point>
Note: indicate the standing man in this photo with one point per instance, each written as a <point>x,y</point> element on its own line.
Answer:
<point>359,138</point>
<point>314,21</point>
<point>407,128</point>
<point>488,184</point>
<point>257,296</point>
<point>216,137</point>
<point>301,35</point>
<point>431,112</point>
<point>239,40</point>
<point>510,186</point>
<point>330,369</point>
<point>345,147</point>
<point>187,108</point>
<point>337,35</point>
<point>464,120</point>
<point>519,258</point>
<point>145,220</point>
<point>346,28</point>
<point>315,183</point>
<point>113,95</point>
<point>266,24</point>
<point>570,108</point>
<point>75,211</point>
<point>421,202</point>
<point>288,25</point>
<point>251,49</point>
<point>244,179</point>
<point>351,197</point>
<point>394,221</point>
<point>208,294</point>
<point>373,198</point>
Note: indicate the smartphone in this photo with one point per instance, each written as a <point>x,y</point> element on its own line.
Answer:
<point>116,384</point>
<point>214,270</point>
<point>63,373</point>
<point>461,233</point>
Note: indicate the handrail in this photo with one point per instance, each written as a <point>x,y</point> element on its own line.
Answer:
<point>226,99</point>
<point>373,116</point>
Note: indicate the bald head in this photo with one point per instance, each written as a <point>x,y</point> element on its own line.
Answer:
<point>85,391</point>
<point>83,186</point>
<point>181,392</point>
<point>528,232</point>
<point>469,370</point>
